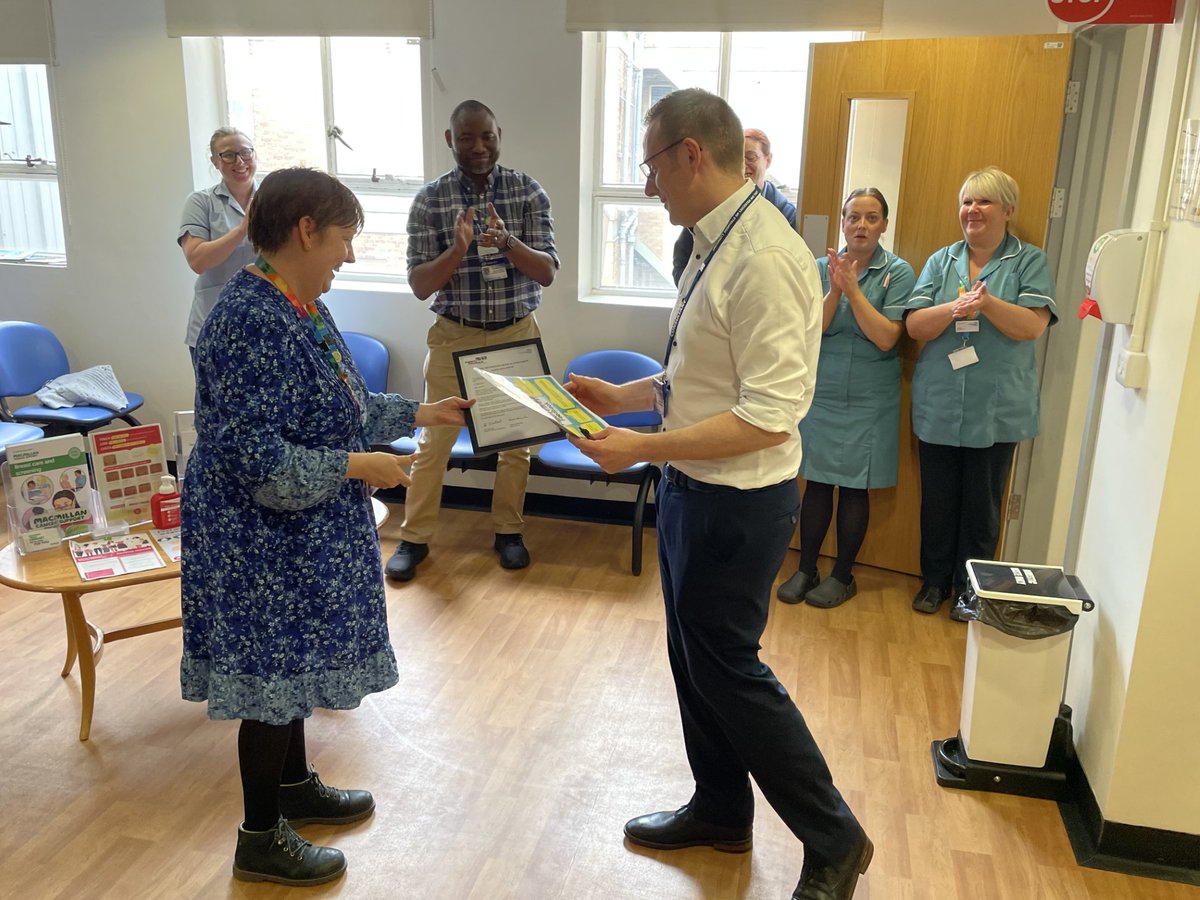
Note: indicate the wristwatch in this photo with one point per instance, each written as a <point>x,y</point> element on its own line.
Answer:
<point>508,243</point>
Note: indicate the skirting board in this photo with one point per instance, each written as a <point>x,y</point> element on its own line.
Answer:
<point>1116,847</point>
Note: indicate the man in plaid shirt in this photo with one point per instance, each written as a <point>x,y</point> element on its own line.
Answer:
<point>481,242</point>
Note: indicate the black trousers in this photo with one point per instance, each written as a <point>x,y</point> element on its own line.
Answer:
<point>719,550</point>
<point>961,490</point>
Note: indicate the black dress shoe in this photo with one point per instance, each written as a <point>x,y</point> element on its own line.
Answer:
<point>511,548</point>
<point>679,829</point>
<point>403,564</point>
<point>929,599</point>
<point>834,880</point>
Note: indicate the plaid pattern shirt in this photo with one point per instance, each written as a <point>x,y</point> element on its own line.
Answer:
<point>525,209</point>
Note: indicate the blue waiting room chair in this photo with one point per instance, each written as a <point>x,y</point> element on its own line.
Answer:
<point>560,459</point>
<point>17,433</point>
<point>371,357</point>
<point>30,356</point>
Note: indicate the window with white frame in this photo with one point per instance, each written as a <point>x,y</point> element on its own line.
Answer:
<point>31,221</point>
<point>309,101</point>
<point>764,77</point>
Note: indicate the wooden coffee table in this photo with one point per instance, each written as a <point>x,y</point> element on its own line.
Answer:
<point>53,572</point>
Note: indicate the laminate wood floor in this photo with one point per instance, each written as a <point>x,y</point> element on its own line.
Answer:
<point>534,715</point>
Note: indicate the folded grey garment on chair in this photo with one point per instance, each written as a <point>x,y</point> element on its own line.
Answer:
<point>96,386</point>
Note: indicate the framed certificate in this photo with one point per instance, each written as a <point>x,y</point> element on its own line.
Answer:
<point>498,422</point>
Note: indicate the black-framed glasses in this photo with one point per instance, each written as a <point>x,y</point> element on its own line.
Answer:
<point>231,156</point>
<point>648,170</point>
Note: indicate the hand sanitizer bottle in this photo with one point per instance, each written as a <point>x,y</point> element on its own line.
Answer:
<point>164,506</point>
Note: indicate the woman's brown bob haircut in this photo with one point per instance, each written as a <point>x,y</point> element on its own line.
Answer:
<point>288,195</point>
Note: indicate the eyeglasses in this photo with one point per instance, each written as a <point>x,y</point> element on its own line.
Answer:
<point>752,158</point>
<point>650,171</point>
<point>230,156</point>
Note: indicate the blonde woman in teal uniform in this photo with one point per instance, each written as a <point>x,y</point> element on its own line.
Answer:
<point>979,305</point>
<point>850,435</point>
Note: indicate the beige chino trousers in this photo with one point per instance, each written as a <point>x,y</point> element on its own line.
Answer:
<point>424,496</point>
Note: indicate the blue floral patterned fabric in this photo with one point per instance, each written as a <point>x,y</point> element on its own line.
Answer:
<point>283,602</point>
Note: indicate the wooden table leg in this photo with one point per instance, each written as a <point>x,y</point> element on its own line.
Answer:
<point>87,661</point>
<point>71,654</point>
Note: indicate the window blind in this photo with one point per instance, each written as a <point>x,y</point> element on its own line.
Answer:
<point>281,18</point>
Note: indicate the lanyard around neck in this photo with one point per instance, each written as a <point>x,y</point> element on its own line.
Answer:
<point>316,324</point>
<point>700,271</point>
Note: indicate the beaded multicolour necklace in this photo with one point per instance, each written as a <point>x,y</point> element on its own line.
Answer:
<point>316,322</point>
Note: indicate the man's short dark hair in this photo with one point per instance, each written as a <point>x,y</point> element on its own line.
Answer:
<point>707,119</point>
<point>471,106</point>
<point>288,195</point>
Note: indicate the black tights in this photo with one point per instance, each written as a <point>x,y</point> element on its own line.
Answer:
<point>816,511</point>
<point>268,756</point>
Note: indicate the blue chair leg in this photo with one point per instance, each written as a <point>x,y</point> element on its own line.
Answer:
<point>650,477</point>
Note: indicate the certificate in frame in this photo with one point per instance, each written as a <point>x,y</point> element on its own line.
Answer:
<point>497,422</point>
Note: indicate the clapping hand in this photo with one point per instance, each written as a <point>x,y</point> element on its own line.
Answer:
<point>464,229</point>
<point>496,234</point>
<point>972,302</point>
<point>843,272</point>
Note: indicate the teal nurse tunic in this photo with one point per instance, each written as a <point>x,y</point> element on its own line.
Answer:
<point>851,434</point>
<point>995,400</point>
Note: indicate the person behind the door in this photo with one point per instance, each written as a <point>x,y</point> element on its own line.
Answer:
<point>482,239</point>
<point>979,305</point>
<point>212,234</point>
<point>738,378</point>
<point>757,159</point>
<point>850,434</point>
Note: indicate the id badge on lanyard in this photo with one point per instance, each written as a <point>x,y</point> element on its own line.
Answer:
<point>662,393</point>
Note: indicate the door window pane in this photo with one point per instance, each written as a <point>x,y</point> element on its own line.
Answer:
<point>875,153</point>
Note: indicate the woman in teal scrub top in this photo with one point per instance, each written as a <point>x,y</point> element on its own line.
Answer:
<point>850,433</point>
<point>979,305</point>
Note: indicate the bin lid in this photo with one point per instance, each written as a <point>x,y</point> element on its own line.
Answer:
<point>1023,583</point>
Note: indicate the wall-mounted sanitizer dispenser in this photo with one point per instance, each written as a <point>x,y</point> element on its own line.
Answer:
<point>1114,270</point>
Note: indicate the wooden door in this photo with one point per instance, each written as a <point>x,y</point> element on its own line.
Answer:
<point>971,102</point>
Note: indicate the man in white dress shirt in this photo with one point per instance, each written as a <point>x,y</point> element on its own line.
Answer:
<point>738,378</point>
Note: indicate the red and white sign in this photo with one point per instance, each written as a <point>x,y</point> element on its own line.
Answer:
<point>1113,12</point>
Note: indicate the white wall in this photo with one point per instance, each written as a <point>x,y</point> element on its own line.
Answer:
<point>955,18</point>
<point>1134,666</point>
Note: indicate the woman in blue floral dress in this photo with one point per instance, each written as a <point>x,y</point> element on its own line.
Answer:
<point>283,601</point>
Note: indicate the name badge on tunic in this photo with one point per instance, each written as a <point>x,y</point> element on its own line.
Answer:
<point>964,325</point>
<point>494,273</point>
<point>487,251</point>
<point>963,357</point>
